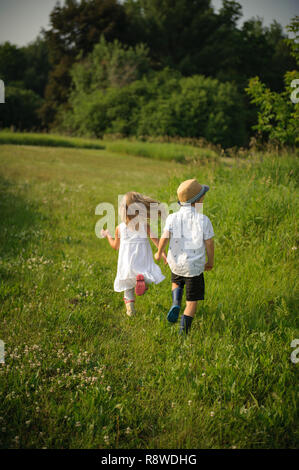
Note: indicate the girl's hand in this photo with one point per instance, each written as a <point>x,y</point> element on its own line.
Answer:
<point>208,267</point>
<point>157,256</point>
<point>104,233</point>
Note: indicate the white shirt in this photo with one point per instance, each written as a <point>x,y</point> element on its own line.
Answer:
<point>188,229</point>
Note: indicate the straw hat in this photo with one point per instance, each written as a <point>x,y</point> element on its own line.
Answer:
<point>190,191</point>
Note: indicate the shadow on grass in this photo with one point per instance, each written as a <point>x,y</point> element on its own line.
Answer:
<point>20,220</point>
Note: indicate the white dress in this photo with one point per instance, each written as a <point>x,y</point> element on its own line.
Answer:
<point>135,257</point>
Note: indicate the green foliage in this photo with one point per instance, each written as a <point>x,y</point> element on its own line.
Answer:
<point>173,30</point>
<point>96,45</point>
<point>20,109</point>
<point>278,115</point>
<point>196,107</point>
<point>26,67</point>
<point>75,28</point>
<point>189,37</point>
<point>293,42</point>
<point>160,103</point>
<point>12,63</point>
<point>109,65</point>
<point>25,73</point>
<point>279,112</point>
<point>37,68</point>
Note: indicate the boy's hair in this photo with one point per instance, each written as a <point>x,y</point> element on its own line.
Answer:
<point>133,199</point>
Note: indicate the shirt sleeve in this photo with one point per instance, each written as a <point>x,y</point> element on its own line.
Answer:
<point>168,224</point>
<point>208,231</point>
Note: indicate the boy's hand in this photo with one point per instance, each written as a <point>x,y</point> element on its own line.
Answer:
<point>208,267</point>
<point>164,258</point>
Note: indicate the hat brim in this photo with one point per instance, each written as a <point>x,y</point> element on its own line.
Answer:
<point>195,198</point>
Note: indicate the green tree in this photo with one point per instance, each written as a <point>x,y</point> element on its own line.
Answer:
<point>175,31</point>
<point>21,109</point>
<point>37,68</point>
<point>24,71</point>
<point>109,65</point>
<point>278,114</point>
<point>75,28</point>
<point>12,63</point>
<point>98,80</point>
<point>263,52</point>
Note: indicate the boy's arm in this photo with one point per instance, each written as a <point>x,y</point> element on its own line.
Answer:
<point>162,245</point>
<point>155,241</point>
<point>113,242</point>
<point>209,244</point>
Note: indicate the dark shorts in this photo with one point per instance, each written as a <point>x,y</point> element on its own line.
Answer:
<point>195,286</point>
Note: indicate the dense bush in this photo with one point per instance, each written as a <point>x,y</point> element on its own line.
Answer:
<point>112,94</point>
<point>196,107</point>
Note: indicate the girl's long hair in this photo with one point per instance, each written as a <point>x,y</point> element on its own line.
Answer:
<point>133,199</point>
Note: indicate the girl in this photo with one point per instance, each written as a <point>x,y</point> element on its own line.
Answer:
<point>136,267</point>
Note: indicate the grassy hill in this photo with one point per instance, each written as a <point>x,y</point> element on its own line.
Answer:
<point>79,373</point>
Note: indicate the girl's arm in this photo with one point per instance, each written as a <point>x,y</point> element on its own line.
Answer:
<point>209,244</point>
<point>155,241</point>
<point>162,245</point>
<point>113,242</point>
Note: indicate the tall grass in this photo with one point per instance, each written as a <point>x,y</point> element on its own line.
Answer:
<point>80,373</point>
<point>160,151</point>
<point>47,140</point>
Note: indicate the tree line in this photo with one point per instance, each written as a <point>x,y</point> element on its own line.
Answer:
<point>146,67</point>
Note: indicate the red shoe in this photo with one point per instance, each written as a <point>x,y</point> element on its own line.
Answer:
<point>140,285</point>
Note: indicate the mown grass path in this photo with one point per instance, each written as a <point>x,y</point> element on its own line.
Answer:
<point>79,373</point>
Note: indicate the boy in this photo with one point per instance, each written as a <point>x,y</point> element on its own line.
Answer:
<point>191,234</point>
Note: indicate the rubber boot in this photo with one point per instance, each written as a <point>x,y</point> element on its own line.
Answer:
<point>185,326</point>
<point>174,311</point>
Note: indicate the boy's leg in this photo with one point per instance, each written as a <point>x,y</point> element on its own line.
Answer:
<point>187,317</point>
<point>195,290</point>
<point>190,308</point>
<point>177,287</point>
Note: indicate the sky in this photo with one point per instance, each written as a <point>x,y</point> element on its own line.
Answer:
<point>22,20</point>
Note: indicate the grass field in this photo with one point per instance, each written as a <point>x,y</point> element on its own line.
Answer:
<point>80,374</point>
<point>159,151</point>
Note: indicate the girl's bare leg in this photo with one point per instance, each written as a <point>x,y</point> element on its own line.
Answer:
<point>129,298</point>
